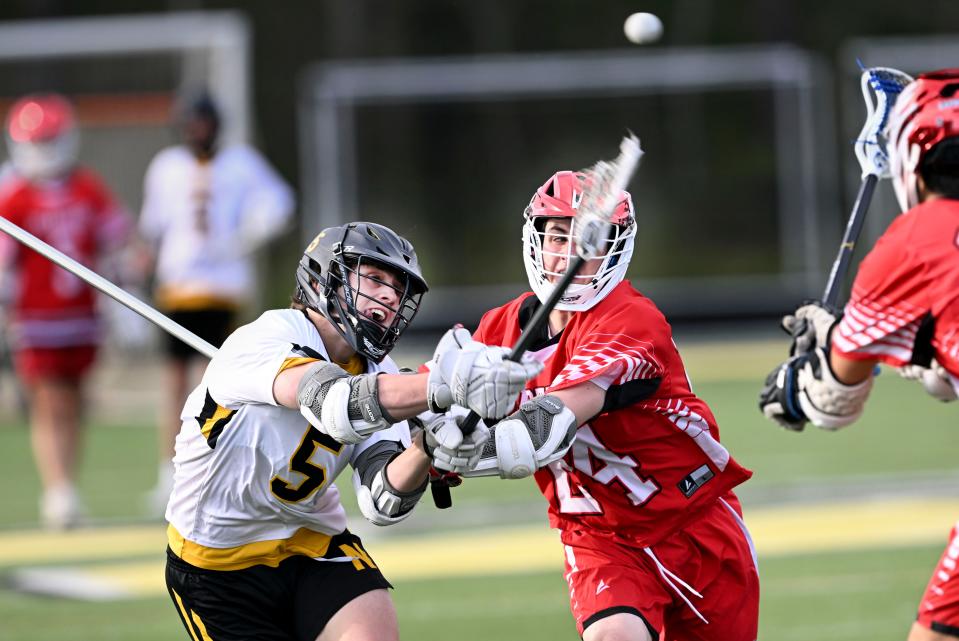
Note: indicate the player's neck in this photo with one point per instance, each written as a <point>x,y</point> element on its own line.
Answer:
<point>558,320</point>
<point>336,346</point>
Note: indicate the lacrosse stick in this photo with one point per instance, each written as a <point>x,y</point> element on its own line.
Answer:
<point>880,88</point>
<point>606,180</point>
<point>108,288</point>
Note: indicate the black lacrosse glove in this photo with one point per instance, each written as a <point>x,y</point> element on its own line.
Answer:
<point>779,398</point>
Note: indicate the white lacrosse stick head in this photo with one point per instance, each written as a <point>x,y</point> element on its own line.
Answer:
<point>925,114</point>
<point>880,88</point>
<point>602,229</point>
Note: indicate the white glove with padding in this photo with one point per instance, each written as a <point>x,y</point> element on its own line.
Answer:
<point>810,326</point>
<point>935,380</point>
<point>535,436</point>
<point>825,401</point>
<point>450,450</point>
<point>477,376</point>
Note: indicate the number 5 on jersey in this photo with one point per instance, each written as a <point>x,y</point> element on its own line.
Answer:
<point>314,475</point>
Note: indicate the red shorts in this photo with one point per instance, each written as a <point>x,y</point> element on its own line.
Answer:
<point>714,556</point>
<point>61,362</point>
<point>939,608</point>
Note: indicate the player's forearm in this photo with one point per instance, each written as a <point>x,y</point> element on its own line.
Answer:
<point>409,470</point>
<point>403,395</point>
<point>849,371</point>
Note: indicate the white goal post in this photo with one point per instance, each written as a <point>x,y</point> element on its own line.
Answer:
<point>799,82</point>
<point>215,46</point>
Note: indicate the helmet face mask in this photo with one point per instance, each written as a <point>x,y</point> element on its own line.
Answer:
<point>547,250</point>
<point>925,114</point>
<point>339,269</point>
<point>42,137</point>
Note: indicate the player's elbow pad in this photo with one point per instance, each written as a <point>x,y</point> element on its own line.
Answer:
<point>535,436</point>
<point>380,502</point>
<point>343,406</point>
<point>825,401</point>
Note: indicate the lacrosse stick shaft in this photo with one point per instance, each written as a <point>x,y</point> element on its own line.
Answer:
<point>590,238</point>
<point>108,288</point>
<point>441,493</point>
<point>853,228</point>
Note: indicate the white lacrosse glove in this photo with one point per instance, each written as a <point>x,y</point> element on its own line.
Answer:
<point>477,376</point>
<point>935,380</point>
<point>540,432</point>
<point>810,326</point>
<point>450,450</point>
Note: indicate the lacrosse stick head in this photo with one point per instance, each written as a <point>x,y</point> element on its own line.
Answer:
<point>598,223</point>
<point>331,281</point>
<point>880,88</point>
<point>42,136</point>
<point>926,113</point>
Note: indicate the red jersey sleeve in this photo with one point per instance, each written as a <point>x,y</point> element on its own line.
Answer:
<point>11,208</point>
<point>616,352</point>
<point>890,297</point>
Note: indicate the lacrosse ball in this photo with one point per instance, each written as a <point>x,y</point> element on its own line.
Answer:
<point>642,28</point>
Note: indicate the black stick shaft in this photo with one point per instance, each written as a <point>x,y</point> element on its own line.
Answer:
<point>532,328</point>
<point>853,228</point>
<point>441,491</point>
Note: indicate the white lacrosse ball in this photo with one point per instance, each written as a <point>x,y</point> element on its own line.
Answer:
<point>643,28</point>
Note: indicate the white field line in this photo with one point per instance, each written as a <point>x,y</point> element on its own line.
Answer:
<point>782,531</point>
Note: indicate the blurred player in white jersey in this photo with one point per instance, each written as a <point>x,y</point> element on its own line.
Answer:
<point>258,545</point>
<point>627,456</point>
<point>904,308</point>
<point>206,209</point>
<point>55,327</point>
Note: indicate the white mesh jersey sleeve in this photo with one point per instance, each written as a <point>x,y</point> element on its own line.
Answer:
<point>246,365</point>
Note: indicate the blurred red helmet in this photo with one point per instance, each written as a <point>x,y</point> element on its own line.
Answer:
<point>560,197</point>
<point>42,136</point>
<point>925,114</point>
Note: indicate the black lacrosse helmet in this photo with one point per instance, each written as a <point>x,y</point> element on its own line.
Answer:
<point>323,283</point>
<point>199,121</point>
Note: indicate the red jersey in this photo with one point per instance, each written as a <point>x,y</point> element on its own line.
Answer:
<point>905,298</point>
<point>651,461</point>
<point>78,216</point>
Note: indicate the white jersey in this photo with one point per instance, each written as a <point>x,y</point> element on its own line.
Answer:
<point>253,481</point>
<point>205,217</point>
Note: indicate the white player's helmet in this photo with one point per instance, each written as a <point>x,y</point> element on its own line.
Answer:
<point>42,136</point>
<point>559,197</point>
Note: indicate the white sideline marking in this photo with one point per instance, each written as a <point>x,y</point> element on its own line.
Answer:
<point>791,530</point>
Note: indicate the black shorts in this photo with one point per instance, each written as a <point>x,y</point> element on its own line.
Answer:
<point>291,602</point>
<point>212,325</point>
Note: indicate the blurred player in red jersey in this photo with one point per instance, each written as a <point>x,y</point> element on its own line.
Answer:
<point>627,456</point>
<point>904,308</point>
<point>54,325</point>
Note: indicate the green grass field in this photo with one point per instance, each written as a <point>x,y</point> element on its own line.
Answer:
<point>903,446</point>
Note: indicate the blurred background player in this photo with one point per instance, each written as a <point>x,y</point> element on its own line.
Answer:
<point>628,457</point>
<point>54,325</point>
<point>258,543</point>
<point>904,308</point>
<point>206,209</point>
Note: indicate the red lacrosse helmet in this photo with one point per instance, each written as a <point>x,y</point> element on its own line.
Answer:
<point>560,197</point>
<point>925,114</point>
<point>42,136</point>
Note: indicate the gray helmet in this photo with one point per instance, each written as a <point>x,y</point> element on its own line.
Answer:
<point>325,267</point>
